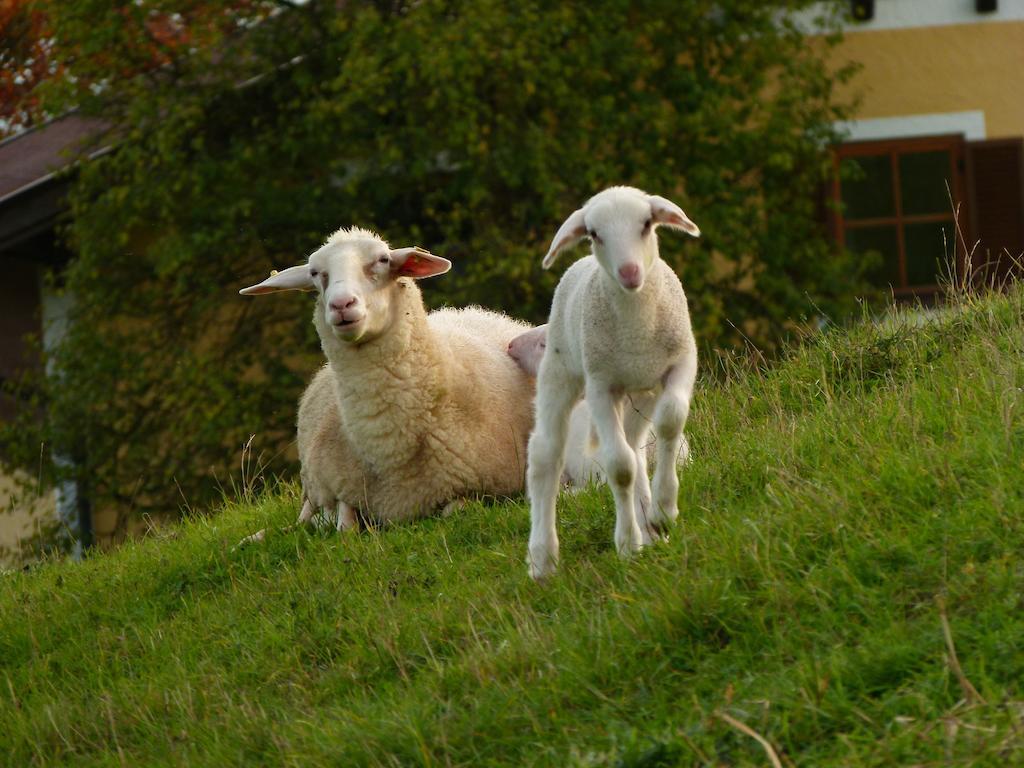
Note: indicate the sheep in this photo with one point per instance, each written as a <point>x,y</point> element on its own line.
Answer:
<point>581,463</point>
<point>413,411</point>
<point>619,334</point>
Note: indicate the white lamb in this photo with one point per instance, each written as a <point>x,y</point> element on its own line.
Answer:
<point>413,411</point>
<point>619,334</point>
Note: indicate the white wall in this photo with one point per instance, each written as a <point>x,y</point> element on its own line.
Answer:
<point>907,14</point>
<point>970,123</point>
<point>56,310</point>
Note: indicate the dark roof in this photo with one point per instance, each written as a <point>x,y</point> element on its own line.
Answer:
<point>33,157</point>
<point>31,192</point>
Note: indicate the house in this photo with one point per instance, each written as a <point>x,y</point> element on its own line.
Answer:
<point>32,193</point>
<point>940,109</point>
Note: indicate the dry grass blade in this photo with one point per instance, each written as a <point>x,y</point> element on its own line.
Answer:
<point>746,729</point>
<point>969,691</point>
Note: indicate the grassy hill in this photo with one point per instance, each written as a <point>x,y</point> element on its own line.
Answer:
<point>847,588</point>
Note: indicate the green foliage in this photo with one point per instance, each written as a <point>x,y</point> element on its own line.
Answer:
<point>835,513</point>
<point>470,128</point>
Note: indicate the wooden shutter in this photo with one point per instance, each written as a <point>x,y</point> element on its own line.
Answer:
<point>995,175</point>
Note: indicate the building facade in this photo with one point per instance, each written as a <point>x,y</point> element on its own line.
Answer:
<point>933,163</point>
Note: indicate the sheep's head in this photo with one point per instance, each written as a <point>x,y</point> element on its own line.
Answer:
<point>527,349</point>
<point>355,274</point>
<point>620,222</point>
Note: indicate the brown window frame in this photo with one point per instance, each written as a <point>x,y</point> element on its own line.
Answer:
<point>894,148</point>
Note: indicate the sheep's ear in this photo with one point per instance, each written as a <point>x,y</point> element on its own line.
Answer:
<point>570,233</point>
<point>667,213</point>
<point>292,279</point>
<point>416,263</point>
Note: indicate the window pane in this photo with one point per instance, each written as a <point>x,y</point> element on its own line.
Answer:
<point>866,187</point>
<point>923,180</point>
<point>927,251</point>
<point>880,247</point>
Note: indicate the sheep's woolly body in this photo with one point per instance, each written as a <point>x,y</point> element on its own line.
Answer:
<point>431,411</point>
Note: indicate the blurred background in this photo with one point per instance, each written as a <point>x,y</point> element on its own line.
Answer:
<point>156,156</point>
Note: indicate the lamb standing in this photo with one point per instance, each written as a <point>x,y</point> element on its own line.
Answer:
<point>619,334</point>
<point>413,411</point>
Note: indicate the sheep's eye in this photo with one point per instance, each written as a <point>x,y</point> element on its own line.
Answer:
<point>647,226</point>
<point>313,273</point>
<point>384,259</point>
<point>593,236</point>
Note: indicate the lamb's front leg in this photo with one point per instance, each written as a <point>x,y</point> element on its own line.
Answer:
<point>670,416</point>
<point>620,464</point>
<point>556,396</point>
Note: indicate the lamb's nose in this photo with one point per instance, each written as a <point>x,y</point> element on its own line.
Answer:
<point>629,274</point>
<point>342,303</point>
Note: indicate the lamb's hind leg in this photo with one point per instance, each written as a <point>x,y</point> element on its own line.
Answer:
<point>637,426</point>
<point>620,464</point>
<point>670,416</point>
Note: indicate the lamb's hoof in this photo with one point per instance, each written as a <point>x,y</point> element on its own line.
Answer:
<point>651,534</point>
<point>627,547</point>
<point>662,522</point>
<point>542,566</point>
<point>256,537</point>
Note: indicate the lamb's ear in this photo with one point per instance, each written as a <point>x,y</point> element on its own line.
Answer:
<point>668,214</point>
<point>416,263</point>
<point>570,233</point>
<point>292,279</point>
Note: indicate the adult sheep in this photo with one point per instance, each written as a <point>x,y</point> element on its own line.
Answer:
<point>413,411</point>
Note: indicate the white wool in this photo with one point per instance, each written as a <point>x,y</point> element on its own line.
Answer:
<point>413,411</point>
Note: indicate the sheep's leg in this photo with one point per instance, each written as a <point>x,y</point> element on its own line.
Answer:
<point>620,464</point>
<point>636,423</point>
<point>251,539</point>
<point>347,519</point>
<point>556,396</point>
<point>670,416</point>
<point>305,515</point>
<point>454,506</point>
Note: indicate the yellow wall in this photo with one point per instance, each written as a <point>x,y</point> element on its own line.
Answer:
<point>941,69</point>
<point>19,520</point>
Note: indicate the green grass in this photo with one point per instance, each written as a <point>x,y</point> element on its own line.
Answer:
<point>839,506</point>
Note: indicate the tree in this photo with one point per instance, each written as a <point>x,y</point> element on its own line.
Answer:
<point>256,128</point>
<point>24,63</point>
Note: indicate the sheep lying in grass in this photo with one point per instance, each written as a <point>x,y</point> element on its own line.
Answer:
<point>619,334</point>
<point>582,465</point>
<point>413,411</point>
